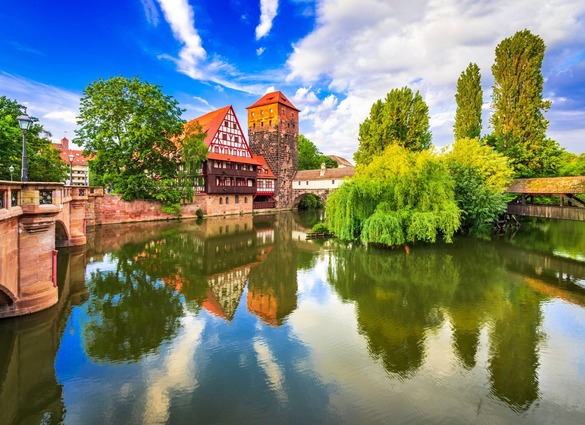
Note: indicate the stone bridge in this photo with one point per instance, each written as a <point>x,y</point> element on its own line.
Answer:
<point>36,218</point>
<point>299,194</point>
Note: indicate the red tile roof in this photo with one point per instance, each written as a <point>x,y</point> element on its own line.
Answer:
<point>210,123</point>
<point>330,173</point>
<point>262,162</point>
<point>274,97</point>
<point>78,160</point>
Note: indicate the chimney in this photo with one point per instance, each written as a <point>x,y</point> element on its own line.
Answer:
<point>323,168</point>
<point>65,143</point>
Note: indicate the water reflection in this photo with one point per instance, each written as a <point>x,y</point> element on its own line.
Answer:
<point>29,389</point>
<point>240,319</point>
<point>401,297</point>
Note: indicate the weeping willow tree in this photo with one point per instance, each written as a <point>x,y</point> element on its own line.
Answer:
<point>401,196</point>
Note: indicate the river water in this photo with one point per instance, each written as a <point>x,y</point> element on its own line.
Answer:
<point>242,321</point>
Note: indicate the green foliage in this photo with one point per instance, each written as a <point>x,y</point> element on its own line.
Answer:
<point>192,154</point>
<point>572,164</point>
<point>481,176</point>
<point>518,123</point>
<point>199,213</point>
<point>401,118</point>
<point>401,196</point>
<point>44,162</point>
<point>469,98</point>
<point>173,209</point>
<point>310,202</point>
<point>320,228</point>
<point>129,127</point>
<point>310,158</point>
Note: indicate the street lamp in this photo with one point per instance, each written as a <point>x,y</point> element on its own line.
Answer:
<point>70,169</point>
<point>11,169</point>
<point>24,123</point>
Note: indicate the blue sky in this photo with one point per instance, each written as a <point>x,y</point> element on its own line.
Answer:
<point>332,58</point>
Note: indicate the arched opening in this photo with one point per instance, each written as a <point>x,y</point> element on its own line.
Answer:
<point>309,201</point>
<point>61,234</point>
<point>6,298</point>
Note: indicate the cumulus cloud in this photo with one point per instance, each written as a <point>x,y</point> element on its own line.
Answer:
<point>362,50</point>
<point>260,50</point>
<point>268,11</point>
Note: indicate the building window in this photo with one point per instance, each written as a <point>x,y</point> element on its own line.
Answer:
<point>237,199</point>
<point>307,182</point>
<point>220,200</point>
<point>245,200</point>
<point>270,110</point>
<point>332,181</point>
<point>227,200</point>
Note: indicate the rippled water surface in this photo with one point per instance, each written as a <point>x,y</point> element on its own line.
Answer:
<point>241,320</point>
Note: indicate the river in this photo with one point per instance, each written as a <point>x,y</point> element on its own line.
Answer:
<point>241,320</point>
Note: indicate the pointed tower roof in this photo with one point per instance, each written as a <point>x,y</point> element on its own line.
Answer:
<point>210,123</point>
<point>274,97</point>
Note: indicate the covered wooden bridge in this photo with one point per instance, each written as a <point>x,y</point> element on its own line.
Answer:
<point>568,191</point>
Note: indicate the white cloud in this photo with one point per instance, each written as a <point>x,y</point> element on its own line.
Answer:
<point>55,108</point>
<point>179,14</point>
<point>362,50</point>
<point>260,50</point>
<point>150,11</point>
<point>268,11</point>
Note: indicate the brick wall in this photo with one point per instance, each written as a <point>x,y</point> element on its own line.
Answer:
<point>110,209</point>
<point>217,205</point>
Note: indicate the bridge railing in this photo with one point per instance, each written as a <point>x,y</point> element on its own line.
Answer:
<point>547,211</point>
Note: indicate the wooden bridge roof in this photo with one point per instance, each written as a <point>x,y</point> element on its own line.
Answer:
<point>548,186</point>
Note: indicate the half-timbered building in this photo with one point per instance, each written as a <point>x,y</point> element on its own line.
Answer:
<point>231,171</point>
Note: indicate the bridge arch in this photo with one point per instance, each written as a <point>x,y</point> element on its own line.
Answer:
<point>61,233</point>
<point>6,296</point>
<point>298,196</point>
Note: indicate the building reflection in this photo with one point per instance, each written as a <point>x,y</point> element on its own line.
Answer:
<point>29,389</point>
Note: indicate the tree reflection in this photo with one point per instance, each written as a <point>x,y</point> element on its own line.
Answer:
<point>401,295</point>
<point>131,311</point>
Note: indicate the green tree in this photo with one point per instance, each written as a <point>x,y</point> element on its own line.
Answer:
<point>310,158</point>
<point>518,123</point>
<point>130,127</point>
<point>481,176</point>
<point>401,196</point>
<point>401,118</point>
<point>44,162</point>
<point>190,156</point>
<point>469,98</point>
<point>572,164</point>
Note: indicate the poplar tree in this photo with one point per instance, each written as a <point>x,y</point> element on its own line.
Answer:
<point>469,98</point>
<point>518,123</point>
<point>402,118</point>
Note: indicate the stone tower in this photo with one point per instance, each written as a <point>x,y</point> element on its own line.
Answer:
<point>273,132</point>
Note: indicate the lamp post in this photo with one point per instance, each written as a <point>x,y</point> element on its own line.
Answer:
<point>24,123</point>
<point>70,169</point>
<point>11,169</point>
